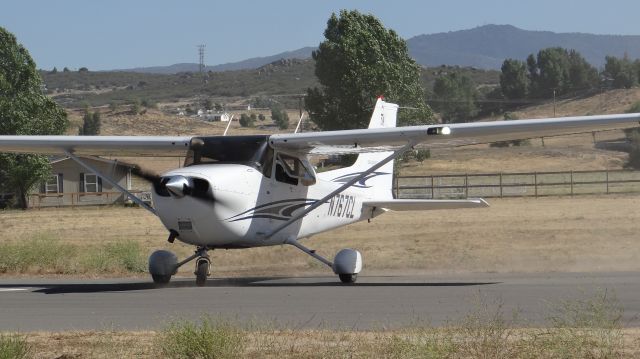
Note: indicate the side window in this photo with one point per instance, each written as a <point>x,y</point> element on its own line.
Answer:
<point>293,171</point>
<point>267,162</point>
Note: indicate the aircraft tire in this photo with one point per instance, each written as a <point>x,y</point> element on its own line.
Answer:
<point>348,278</point>
<point>160,279</point>
<point>202,271</point>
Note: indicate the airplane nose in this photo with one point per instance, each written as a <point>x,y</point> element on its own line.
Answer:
<point>178,186</point>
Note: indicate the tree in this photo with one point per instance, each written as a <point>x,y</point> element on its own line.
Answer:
<point>455,96</point>
<point>280,117</point>
<point>358,61</point>
<point>208,104</point>
<point>621,72</point>
<point>66,69</point>
<point>557,70</point>
<point>135,107</point>
<point>83,69</point>
<point>552,66</point>
<point>246,120</point>
<point>148,103</point>
<point>261,117</point>
<point>514,82</point>
<point>55,70</point>
<point>90,124</point>
<point>24,110</point>
<point>582,75</point>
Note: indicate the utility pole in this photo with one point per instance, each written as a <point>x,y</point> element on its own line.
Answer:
<point>554,102</point>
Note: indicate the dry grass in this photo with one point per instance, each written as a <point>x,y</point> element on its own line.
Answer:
<point>590,233</point>
<point>587,328</point>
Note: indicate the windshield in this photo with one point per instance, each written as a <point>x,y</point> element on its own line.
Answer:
<point>246,150</point>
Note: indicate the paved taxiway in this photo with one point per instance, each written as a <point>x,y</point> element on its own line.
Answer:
<point>308,302</point>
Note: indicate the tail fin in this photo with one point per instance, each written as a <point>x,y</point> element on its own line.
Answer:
<point>381,181</point>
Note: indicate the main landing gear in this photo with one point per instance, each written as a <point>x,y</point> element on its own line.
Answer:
<point>164,264</point>
<point>347,263</point>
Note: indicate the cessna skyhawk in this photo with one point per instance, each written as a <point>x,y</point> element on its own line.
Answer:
<point>250,191</point>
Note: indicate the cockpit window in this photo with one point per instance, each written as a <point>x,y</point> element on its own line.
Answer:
<point>252,151</point>
<point>292,170</point>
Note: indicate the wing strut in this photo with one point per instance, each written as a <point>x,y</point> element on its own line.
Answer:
<point>112,182</point>
<point>339,190</point>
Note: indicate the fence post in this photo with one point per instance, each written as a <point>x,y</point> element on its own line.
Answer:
<point>607,180</point>
<point>500,184</point>
<point>466,185</point>
<point>397,188</point>
<point>432,190</point>
<point>572,183</point>
<point>535,183</point>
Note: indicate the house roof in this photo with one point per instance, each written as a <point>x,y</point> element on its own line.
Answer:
<point>57,159</point>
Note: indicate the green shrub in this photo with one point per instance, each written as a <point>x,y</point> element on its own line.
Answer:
<point>208,339</point>
<point>116,257</point>
<point>45,254</point>
<point>14,346</point>
<point>41,254</point>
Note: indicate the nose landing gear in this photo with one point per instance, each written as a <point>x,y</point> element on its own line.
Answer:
<point>202,272</point>
<point>163,264</point>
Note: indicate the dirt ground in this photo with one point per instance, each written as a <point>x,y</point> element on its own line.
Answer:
<point>302,344</point>
<point>587,233</point>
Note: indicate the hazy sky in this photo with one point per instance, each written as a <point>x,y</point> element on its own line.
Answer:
<point>135,33</point>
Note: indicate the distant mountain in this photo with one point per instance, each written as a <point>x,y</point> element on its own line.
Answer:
<point>487,46</point>
<point>483,47</point>
<point>252,63</point>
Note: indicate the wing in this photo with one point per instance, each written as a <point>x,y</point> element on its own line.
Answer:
<point>426,204</point>
<point>97,145</point>
<point>450,135</point>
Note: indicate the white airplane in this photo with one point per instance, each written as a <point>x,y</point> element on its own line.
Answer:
<point>251,191</point>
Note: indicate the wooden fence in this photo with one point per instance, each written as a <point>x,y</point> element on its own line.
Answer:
<point>39,200</point>
<point>531,184</point>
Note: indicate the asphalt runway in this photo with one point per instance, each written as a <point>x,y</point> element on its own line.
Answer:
<point>302,302</point>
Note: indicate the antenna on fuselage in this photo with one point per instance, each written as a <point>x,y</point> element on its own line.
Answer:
<point>228,125</point>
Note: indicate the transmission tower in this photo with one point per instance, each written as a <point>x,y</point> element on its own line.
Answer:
<point>201,56</point>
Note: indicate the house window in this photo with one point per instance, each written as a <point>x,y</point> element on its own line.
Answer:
<point>53,184</point>
<point>90,182</point>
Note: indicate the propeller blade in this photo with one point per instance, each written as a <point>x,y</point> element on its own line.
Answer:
<point>148,175</point>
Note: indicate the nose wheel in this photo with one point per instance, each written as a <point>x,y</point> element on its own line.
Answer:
<point>203,265</point>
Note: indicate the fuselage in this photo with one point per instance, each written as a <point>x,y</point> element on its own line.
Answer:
<point>247,205</point>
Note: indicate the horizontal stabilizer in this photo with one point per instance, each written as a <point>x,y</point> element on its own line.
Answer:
<point>426,204</point>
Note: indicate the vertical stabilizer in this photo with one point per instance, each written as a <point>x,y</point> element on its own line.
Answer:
<point>381,181</point>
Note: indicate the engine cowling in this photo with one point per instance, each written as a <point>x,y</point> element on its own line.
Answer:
<point>347,261</point>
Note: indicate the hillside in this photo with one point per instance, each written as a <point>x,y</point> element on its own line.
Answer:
<point>487,46</point>
<point>484,47</point>
<point>252,63</point>
<point>72,89</point>
<point>281,77</point>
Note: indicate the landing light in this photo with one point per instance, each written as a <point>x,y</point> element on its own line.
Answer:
<point>446,130</point>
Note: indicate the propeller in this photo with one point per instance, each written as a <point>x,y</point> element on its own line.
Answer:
<point>149,176</point>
